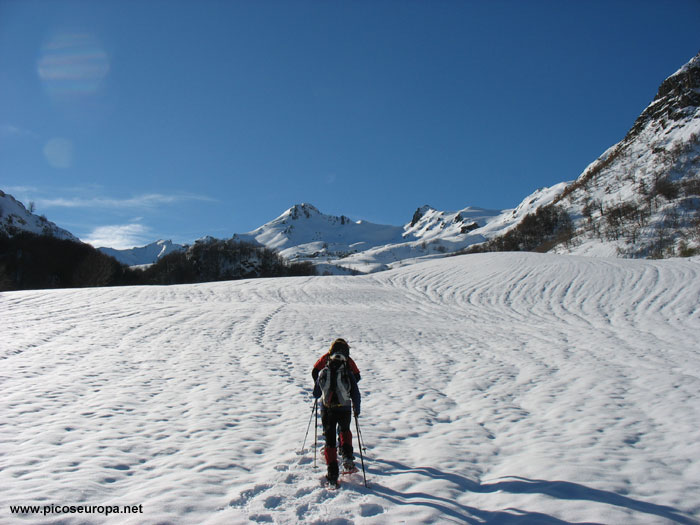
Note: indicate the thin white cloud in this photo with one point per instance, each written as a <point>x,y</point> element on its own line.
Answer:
<point>119,236</point>
<point>15,191</point>
<point>150,200</point>
<point>8,131</point>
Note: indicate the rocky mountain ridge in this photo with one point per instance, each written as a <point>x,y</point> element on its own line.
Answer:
<point>641,198</point>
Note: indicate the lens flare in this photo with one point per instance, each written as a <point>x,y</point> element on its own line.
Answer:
<point>59,152</point>
<point>72,64</point>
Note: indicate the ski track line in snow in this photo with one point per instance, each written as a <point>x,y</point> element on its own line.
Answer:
<point>497,388</point>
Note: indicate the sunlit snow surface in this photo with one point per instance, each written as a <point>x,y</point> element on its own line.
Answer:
<point>497,388</point>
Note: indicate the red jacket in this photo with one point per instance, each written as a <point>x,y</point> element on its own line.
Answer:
<point>323,360</point>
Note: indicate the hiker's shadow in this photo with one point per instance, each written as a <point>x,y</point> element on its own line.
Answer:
<point>564,490</point>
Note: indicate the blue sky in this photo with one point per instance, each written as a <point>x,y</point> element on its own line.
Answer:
<point>129,121</point>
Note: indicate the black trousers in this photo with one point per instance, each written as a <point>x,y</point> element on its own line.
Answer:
<point>337,419</point>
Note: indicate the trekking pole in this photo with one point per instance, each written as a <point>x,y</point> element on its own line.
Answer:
<point>360,438</point>
<point>308,427</point>
<point>316,433</point>
<point>359,441</point>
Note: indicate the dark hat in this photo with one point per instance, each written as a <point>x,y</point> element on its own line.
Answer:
<point>340,346</point>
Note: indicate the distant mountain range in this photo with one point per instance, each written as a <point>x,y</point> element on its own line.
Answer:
<point>641,198</point>
<point>341,245</point>
<point>145,254</point>
<point>304,233</point>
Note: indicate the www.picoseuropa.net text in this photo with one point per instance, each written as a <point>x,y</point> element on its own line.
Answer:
<point>56,509</point>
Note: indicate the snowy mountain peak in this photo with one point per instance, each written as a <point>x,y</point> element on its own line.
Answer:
<point>693,64</point>
<point>207,239</point>
<point>678,98</point>
<point>303,231</point>
<point>303,210</point>
<point>145,254</point>
<point>304,216</point>
<point>306,212</point>
<point>419,213</point>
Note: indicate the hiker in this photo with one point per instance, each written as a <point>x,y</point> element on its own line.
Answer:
<point>342,346</point>
<point>339,345</point>
<point>337,388</point>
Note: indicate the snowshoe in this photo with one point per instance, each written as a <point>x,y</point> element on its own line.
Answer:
<point>331,484</point>
<point>332,475</point>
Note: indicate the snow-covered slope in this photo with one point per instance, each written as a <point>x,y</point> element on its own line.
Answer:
<point>497,388</point>
<point>14,218</point>
<point>145,254</point>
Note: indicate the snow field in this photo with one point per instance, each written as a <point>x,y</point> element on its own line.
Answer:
<point>497,388</point>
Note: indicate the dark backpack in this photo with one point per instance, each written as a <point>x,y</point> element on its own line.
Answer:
<point>334,383</point>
